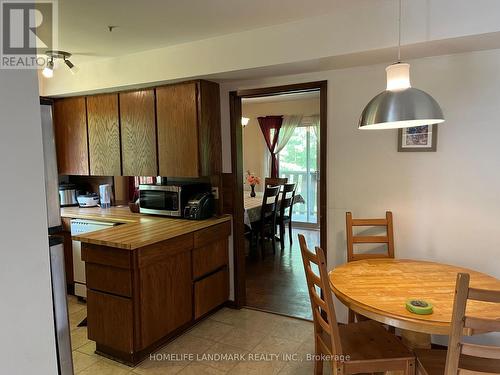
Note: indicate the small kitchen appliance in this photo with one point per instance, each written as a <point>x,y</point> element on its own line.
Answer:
<point>67,195</point>
<point>168,200</point>
<point>200,207</point>
<point>88,200</point>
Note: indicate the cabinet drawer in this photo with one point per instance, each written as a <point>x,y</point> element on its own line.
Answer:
<point>110,321</point>
<point>210,257</point>
<point>212,234</point>
<point>109,279</point>
<point>210,292</point>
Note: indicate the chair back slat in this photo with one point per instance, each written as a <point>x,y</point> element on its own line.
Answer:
<point>482,354</point>
<point>370,239</point>
<point>471,372</point>
<point>275,181</point>
<point>484,295</point>
<point>483,351</point>
<point>352,239</point>
<point>325,320</point>
<point>287,197</point>
<point>482,324</point>
<point>269,203</point>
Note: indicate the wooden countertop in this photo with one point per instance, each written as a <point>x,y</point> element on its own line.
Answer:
<point>136,230</point>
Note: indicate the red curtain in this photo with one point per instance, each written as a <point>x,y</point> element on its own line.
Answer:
<point>267,124</point>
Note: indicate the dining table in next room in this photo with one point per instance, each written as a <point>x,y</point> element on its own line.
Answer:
<point>253,206</point>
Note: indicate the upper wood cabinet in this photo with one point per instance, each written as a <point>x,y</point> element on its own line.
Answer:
<point>188,120</point>
<point>171,131</point>
<point>138,133</point>
<point>104,135</point>
<point>70,127</point>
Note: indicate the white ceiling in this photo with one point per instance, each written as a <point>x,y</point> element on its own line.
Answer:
<point>149,24</point>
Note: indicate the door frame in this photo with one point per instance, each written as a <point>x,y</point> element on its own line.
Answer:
<point>235,113</point>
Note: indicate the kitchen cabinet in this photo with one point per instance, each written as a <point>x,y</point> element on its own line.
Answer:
<point>138,133</point>
<point>171,131</point>
<point>70,129</point>
<point>140,298</point>
<point>104,135</point>
<point>188,121</point>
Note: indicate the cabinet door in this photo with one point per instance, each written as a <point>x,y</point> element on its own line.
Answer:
<point>110,321</point>
<point>177,120</point>
<point>104,135</point>
<point>210,292</point>
<point>70,128</point>
<point>138,133</point>
<point>166,293</point>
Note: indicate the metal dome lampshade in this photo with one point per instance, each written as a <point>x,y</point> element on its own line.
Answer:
<point>400,105</point>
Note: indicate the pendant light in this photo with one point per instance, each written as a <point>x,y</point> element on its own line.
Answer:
<point>400,105</point>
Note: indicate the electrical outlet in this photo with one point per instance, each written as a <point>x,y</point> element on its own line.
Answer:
<point>215,192</point>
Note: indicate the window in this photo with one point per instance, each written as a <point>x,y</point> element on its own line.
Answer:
<point>298,161</point>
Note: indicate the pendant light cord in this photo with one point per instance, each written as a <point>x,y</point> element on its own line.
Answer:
<point>399,33</point>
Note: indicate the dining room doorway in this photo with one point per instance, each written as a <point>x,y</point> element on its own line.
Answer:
<point>287,124</point>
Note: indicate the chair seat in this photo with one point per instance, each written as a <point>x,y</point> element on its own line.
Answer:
<point>369,340</point>
<point>432,362</point>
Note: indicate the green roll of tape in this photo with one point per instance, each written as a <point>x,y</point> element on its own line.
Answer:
<point>419,306</point>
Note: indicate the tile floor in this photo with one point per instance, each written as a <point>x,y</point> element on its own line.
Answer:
<point>252,342</point>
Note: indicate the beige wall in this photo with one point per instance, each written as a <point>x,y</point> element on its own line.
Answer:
<point>445,203</point>
<point>366,27</point>
<point>255,152</point>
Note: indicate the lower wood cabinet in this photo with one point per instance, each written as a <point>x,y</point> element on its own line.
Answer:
<point>110,321</point>
<point>165,297</point>
<point>210,292</point>
<point>139,299</point>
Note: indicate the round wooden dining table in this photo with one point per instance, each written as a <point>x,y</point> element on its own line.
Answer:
<point>379,288</point>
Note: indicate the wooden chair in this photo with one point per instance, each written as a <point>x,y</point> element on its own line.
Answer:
<point>275,181</point>
<point>363,347</point>
<point>287,198</point>
<point>388,239</point>
<point>267,222</point>
<point>463,358</point>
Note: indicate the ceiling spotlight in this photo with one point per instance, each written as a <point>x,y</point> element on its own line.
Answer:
<point>71,66</point>
<point>48,71</point>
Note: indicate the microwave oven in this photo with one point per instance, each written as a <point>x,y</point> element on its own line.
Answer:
<point>168,200</point>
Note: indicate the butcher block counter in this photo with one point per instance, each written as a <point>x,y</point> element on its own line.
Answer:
<point>138,230</point>
<point>150,278</point>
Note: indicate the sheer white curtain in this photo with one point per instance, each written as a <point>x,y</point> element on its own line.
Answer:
<point>287,128</point>
<point>315,124</point>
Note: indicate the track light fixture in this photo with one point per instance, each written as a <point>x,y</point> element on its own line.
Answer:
<point>48,71</point>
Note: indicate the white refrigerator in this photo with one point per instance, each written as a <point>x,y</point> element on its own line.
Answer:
<point>56,247</point>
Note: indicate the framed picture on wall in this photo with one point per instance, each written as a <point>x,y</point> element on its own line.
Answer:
<point>418,138</point>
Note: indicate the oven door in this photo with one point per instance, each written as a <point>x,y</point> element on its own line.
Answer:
<point>160,200</point>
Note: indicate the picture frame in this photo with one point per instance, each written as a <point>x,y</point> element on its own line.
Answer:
<point>418,139</point>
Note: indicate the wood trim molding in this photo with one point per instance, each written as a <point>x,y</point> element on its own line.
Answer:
<point>237,171</point>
